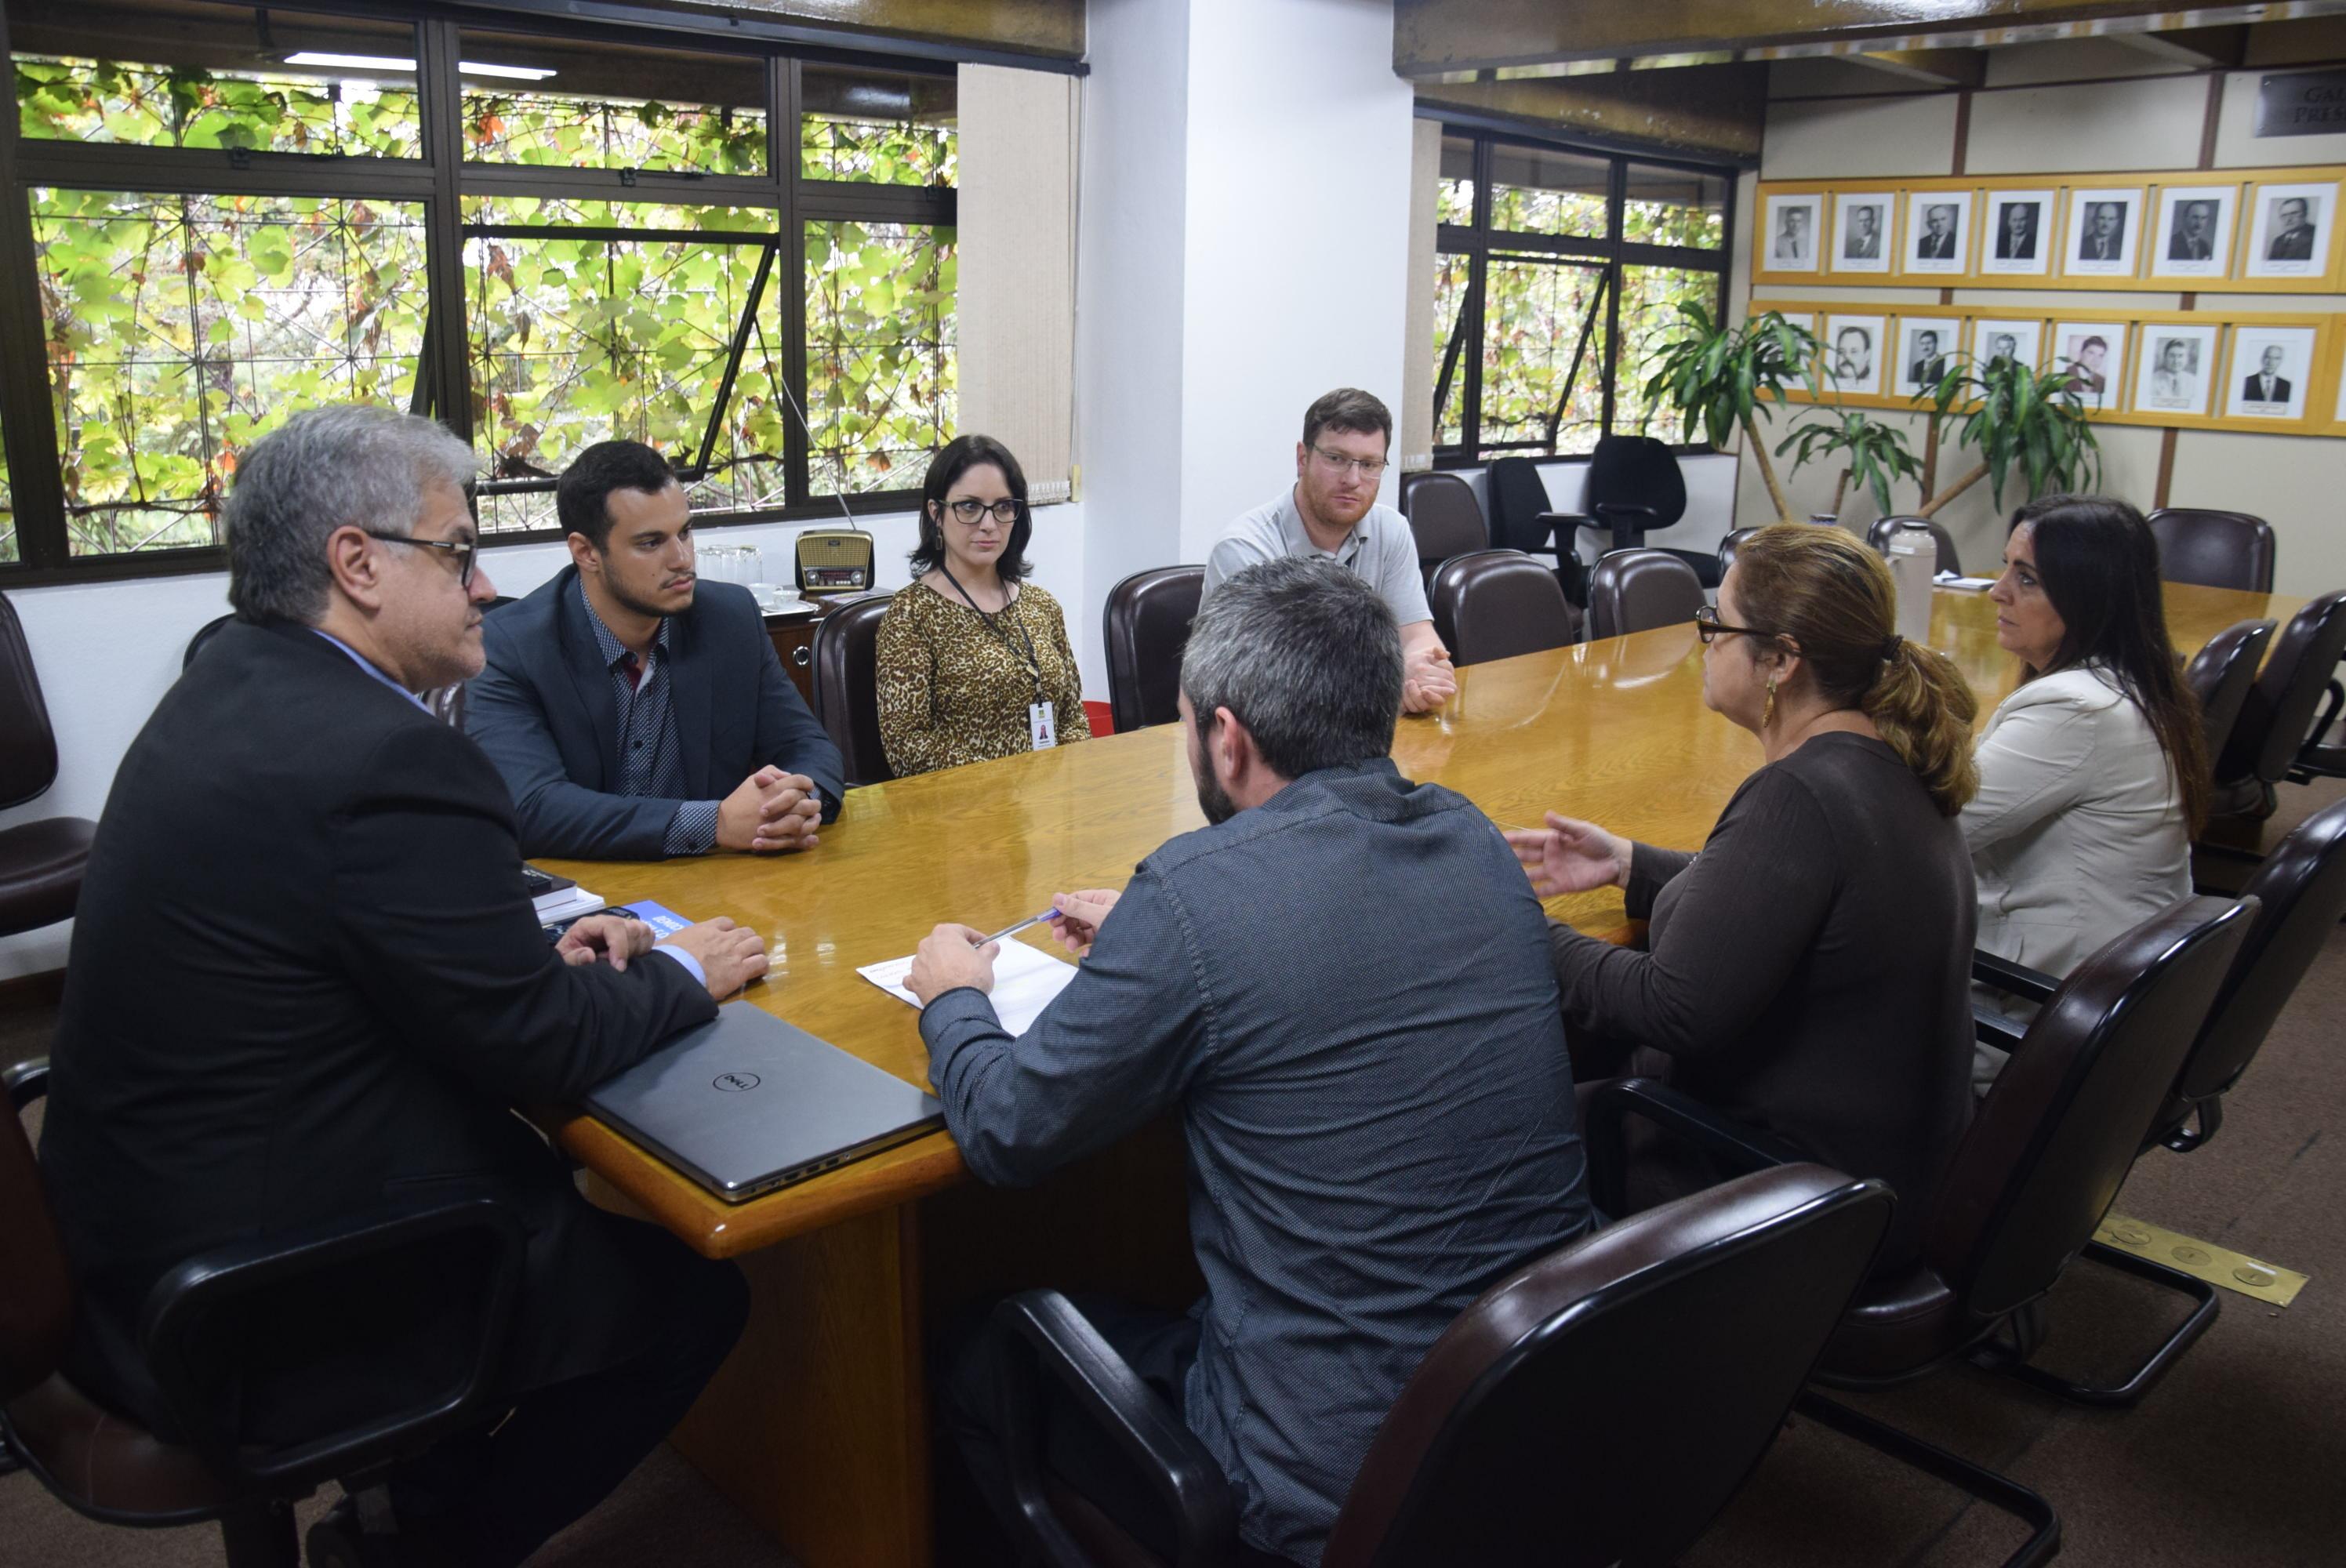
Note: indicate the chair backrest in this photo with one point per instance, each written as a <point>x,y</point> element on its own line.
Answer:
<point>28,746</point>
<point>1496,603</point>
<point>1878,536</point>
<point>2056,1135</point>
<point>1728,545</point>
<point>1638,590</point>
<point>36,1288</point>
<point>2217,549</point>
<point>1518,499</point>
<point>1551,1423</point>
<point>2221,675</point>
<point>1637,470</point>
<point>1148,625</point>
<point>1445,516</point>
<point>2279,710</point>
<point>2301,888</point>
<point>847,684</point>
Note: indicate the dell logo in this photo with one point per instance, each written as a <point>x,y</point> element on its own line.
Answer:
<point>734,1083</point>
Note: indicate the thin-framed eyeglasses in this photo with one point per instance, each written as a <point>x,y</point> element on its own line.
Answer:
<point>1366,467</point>
<point>466,551</point>
<point>1708,627</point>
<point>968,509</point>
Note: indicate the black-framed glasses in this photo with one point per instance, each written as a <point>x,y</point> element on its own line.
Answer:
<point>1708,627</point>
<point>465,552</point>
<point>968,509</point>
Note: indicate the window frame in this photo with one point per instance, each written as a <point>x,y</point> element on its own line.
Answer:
<point>1478,241</point>
<point>441,180</point>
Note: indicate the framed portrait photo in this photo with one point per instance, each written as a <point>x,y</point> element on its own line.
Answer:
<point>1993,339</point>
<point>1926,346</point>
<point>1853,353</point>
<point>2104,226</point>
<point>2271,367</point>
<point>2019,234</point>
<point>1938,231</point>
<point>1860,232</point>
<point>2289,230</point>
<point>1792,230</point>
<point>2178,369</point>
<point>2094,353</point>
<point>2192,237</point>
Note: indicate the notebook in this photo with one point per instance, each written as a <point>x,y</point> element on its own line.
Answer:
<point>1026,981</point>
<point>748,1103</point>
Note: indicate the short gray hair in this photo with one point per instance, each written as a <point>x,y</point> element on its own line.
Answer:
<point>324,469</point>
<point>1307,657</point>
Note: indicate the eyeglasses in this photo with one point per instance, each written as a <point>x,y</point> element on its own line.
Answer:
<point>1708,627</point>
<point>969,509</point>
<point>465,552</point>
<point>1366,467</point>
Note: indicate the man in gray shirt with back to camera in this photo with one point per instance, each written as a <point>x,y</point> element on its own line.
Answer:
<point>1370,1145</point>
<point>1332,511</point>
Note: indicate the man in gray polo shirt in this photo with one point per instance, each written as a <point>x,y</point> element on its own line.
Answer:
<point>1332,511</point>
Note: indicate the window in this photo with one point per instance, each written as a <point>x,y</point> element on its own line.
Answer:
<point>248,218</point>
<point>1560,271</point>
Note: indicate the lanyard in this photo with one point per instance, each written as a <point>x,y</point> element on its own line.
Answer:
<point>1034,660</point>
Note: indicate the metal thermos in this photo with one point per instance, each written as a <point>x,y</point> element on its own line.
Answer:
<point>1913,563</point>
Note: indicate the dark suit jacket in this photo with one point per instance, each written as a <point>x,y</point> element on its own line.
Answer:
<point>2280,392</point>
<point>544,712</point>
<point>2005,250</point>
<point>1930,371</point>
<point>1931,247</point>
<point>2291,245</point>
<point>307,982</point>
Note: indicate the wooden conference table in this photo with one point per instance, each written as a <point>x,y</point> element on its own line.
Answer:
<point>819,1426</point>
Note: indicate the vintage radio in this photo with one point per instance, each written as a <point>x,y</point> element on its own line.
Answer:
<point>834,561</point>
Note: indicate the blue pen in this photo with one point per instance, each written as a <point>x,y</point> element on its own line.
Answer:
<point>1015,929</point>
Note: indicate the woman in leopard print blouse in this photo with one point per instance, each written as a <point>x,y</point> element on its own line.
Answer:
<point>974,661</point>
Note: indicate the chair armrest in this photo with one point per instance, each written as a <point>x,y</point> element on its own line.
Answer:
<point>26,1081</point>
<point>1040,1331</point>
<point>1745,1148</point>
<point>189,1331</point>
<point>2032,985</point>
<point>1990,1027</point>
<point>1608,508</point>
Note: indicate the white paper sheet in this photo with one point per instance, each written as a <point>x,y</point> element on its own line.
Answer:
<point>1026,979</point>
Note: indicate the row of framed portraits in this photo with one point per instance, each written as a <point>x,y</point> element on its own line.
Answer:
<point>2201,370</point>
<point>2274,231</point>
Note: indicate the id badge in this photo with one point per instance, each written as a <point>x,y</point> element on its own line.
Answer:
<point>1042,726</point>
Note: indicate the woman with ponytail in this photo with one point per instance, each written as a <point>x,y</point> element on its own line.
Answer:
<point>2094,774</point>
<point>1808,970</point>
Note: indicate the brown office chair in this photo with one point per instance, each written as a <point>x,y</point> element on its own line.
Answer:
<point>41,862</point>
<point>202,1345</point>
<point>1445,516</point>
<point>1638,590</point>
<point>1496,603</point>
<point>2215,549</point>
<point>2039,1167</point>
<point>2279,719</point>
<point>1879,535</point>
<point>1148,625</point>
<point>847,686</point>
<point>1728,545</point>
<point>1717,1302</point>
<point>2221,675</point>
<point>2301,890</point>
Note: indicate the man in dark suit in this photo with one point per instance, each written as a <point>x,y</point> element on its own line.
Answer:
<point>2295,240</point>
<point>634,712</point>
<point>2267,385</point>
<point>308,983</point>
<point>2017,240</point>
<point>2103,238</point>
<point>2194,239</point>
<point>1930,366</point>
<point>1937,241</point>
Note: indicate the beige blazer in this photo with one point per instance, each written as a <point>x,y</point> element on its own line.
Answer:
<point>2076,833</point>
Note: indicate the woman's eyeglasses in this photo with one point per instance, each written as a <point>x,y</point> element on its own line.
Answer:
<point>1708,627</point>
<point>968,509</point>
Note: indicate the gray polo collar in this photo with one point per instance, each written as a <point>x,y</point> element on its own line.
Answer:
<point>1298,539</point>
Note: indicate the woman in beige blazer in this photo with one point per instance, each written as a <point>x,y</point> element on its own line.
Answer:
<point>2093,773</point>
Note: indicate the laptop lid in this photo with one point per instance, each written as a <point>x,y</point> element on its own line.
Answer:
<point>747,1103</point>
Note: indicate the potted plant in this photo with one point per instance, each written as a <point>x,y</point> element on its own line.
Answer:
<point>1721,378</point>
<point>1876,454</point>
<point>2016,415</point>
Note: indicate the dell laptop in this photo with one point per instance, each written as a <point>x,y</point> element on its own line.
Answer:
<point>747,1104</point>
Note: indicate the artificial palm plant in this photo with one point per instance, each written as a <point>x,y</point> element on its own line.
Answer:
<point>1722,378</point>
<point>2016,416</point>
<point>1875,455</point>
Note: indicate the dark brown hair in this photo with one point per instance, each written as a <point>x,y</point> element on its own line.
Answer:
<point>1348,408</point>
<point>1828,595</point>
<point>2099,561</point>
<point>953,460</point>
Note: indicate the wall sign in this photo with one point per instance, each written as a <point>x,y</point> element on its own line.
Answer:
<point>2301,102</point>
